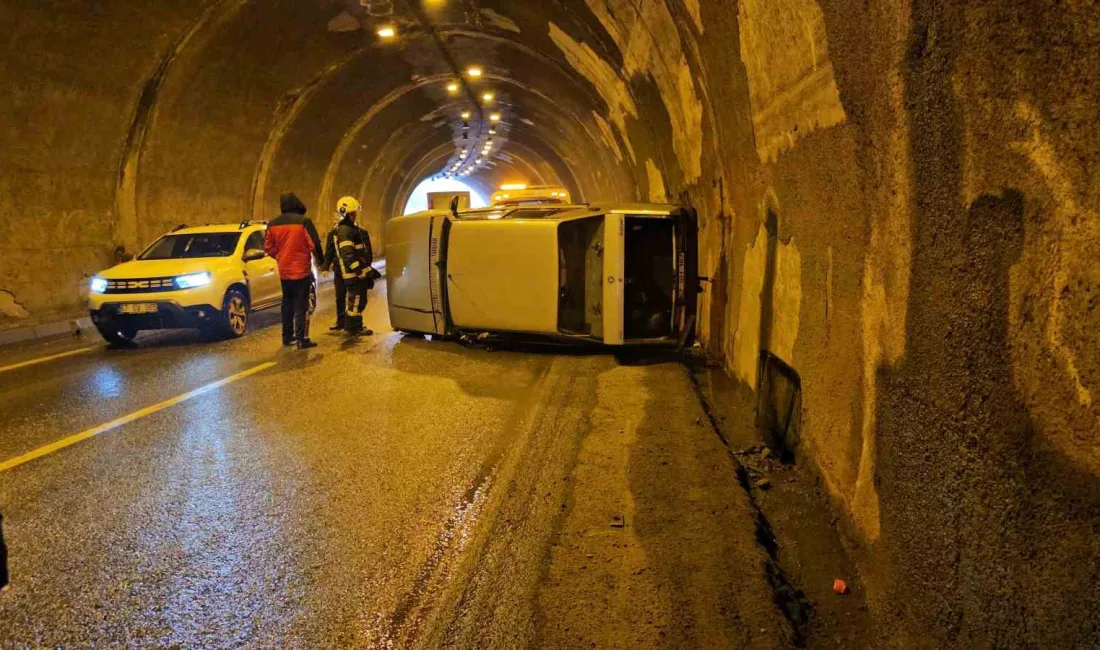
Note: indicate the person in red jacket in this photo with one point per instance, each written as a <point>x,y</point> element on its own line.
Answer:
<point>292,240</point>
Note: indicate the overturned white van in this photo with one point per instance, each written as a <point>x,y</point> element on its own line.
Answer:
<point>600,274</point>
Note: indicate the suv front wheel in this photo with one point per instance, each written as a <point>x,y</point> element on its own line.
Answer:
<point>234,317</point>
<point>115,335</point>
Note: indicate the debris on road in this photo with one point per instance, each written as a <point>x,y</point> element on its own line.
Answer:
<point>750,451</point>
<point>618,521</point>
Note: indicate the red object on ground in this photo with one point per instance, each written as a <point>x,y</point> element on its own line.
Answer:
<point>840,587</point>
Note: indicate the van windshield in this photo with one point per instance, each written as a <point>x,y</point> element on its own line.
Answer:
<point>187,246</point>
<point>580,290</point>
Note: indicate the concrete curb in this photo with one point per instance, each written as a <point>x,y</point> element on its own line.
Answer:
<point>75,326</point>
<point>71,327</point>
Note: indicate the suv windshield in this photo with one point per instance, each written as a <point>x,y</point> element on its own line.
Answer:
<point>186,246</point>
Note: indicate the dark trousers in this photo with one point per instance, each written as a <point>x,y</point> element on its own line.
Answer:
<point>356,303</point>
<point>341,298</point>
<point>296,309</point>
<point>356,297</point>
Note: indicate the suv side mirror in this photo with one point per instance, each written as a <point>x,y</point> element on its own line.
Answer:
<point>254,254</point>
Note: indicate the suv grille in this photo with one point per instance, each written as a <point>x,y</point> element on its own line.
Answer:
<point>142,285</point>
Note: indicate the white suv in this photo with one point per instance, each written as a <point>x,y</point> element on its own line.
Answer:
<point>210,277</point>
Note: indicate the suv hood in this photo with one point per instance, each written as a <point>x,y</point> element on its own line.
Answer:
<point>161,268</point>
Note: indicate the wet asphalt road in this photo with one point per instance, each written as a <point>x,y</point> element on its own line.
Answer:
<point>330,500</point>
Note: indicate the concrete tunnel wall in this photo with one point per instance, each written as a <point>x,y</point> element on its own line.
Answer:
<point>897,199</point>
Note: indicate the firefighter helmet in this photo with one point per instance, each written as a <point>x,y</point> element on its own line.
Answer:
<point>346,206</point>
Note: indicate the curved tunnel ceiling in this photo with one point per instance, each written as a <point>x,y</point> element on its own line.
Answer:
<point>306,97</point>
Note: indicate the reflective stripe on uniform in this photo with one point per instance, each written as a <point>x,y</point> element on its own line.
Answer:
<point>347,243</point>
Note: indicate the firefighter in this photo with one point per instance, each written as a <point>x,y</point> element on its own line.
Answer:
<point>354,257</point>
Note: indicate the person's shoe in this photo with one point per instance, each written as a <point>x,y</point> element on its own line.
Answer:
<point>337,327</point>
<point>354,326</point>
<point>287,343</point>
<point>366,331</point>
<point>306,344</point>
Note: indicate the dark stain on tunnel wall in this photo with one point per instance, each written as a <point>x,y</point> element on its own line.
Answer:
<point>989,536</point>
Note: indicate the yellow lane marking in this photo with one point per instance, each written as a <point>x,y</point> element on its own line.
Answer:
<point>136,415</point>
<point>34,362</point>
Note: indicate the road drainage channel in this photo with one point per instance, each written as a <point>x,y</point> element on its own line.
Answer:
<point>791,601</point>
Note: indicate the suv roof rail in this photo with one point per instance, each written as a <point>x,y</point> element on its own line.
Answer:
<point>179,227</point>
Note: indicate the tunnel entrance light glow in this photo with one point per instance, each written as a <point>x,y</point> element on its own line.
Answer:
<point>418,200</point>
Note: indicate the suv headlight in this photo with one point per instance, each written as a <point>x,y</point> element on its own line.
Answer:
<point>193,280</point>
<point>98,285</point>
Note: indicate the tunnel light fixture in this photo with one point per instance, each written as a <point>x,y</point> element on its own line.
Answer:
<point>495,117</point>
<point>478,161</point>
<point>452,87</point>
<point>474,71</point>
<point>387,32</point>
<point>488,97</point>
<point>466,116</point>
<point>492,131</point>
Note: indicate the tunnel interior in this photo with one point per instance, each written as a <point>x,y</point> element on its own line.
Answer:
<point>897,201</point>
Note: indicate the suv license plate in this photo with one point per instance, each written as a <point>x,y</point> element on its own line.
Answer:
<point>138,308</point>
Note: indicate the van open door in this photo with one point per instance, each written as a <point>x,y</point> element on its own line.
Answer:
<point>651,295</point>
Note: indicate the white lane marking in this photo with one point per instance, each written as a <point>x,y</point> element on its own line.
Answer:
<point>34,362</point>
<point>136,415</point>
